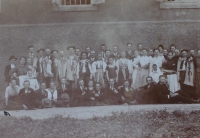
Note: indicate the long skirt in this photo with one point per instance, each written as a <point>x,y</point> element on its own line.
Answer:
<point>143,73</point>
<point>174,85</point>
<point>99,77</point>
<point>122,76</point>
<point>134,76</point>
<point>197,83</point>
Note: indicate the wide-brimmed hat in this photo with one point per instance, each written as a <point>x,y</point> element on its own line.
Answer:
<point>65,97</point>
<point>46,102</point>
<point>184,50</point>
<point>73,47</point>
<point>12,57</point>
<point>41,49</point>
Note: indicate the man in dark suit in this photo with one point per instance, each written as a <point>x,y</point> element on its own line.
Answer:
<point>113,95</point>
<point>128,93</point>
<point>163,96</point>
<point>40,94</point>
<point>12,65</point>
<point>27,96</point>
<point>115,53</point>
<point>100,93</point>
<point>144,94</point>
<point>92,57</point>
<point>129,52</point>
<point>64,88</point>
<point>80,96</point>
<point>31,53</point>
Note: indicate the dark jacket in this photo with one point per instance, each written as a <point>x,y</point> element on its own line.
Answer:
<point>27,98</point>
<point>161,93</point>
<point>6,73</point>
<point>129,56</point>
<point>40,95</point>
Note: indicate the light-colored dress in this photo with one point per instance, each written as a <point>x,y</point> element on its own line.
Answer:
<point>98,69</point>
<point>124,69</point>
<point>155,74</point>
<point>135,65</point>
<point>143,71</point>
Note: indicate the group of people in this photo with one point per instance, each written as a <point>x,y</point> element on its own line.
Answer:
<point>52,78</point>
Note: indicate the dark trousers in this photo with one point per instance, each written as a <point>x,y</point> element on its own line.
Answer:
<point>180,98</point>
<point>85,77</point>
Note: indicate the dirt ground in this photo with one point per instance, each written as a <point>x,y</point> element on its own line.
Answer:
<point>98,111</point>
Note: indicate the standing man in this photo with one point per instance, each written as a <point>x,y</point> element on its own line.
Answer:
<point>56,66</point>
<point>88,50</point>
<point>77,54</point>
<point>31,53</point>
<point>102,50</point>
<point>185,70</point>
<point>62,63</point>
<point>38,65</point>
<point>84,69</point>
<point>12,65</point>
<point>71,67</point>
<point>115,53</point>
<point>92,57</point>
<point>47,67</point>
<point>129,52</point>
<point>140,48</point>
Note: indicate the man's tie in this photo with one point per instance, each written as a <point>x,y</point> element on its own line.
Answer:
<point>51,95</point>
<point>63,87</point>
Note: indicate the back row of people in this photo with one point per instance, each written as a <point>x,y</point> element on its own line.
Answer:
<point>132,66</point>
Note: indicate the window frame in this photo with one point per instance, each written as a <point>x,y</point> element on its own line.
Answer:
<point>57,6</point>
<point>179,4</point>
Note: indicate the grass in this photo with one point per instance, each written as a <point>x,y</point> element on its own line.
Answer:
<point>155,124</point>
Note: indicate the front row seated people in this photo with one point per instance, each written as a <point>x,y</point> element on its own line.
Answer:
<point>63,96</point>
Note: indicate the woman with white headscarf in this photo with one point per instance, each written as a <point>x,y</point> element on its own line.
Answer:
<point>155,73</point>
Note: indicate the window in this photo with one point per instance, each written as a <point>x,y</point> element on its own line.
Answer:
<point>173,4</point>
<point>76,5</point>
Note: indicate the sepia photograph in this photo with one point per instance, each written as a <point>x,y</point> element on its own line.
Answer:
<point>100,68</point>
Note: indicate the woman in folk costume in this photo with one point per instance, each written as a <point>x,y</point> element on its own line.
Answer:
<point>143,70</point>
<point>157,59</point>
<point>155,73</point>
<point>111,70</point>
<point>33,81</point>
<point>71,66</point>
<point>169,69</point>
<point>124,69</point>
<point>84,69</point>
<point>185,69</point>
<point>135,66</point>
<point>99,68</point>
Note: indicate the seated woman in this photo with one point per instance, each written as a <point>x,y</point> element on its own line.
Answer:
<point>128,93</point>
<point>33,81</point>
<point>155,73</point>
<point>169,69</point>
